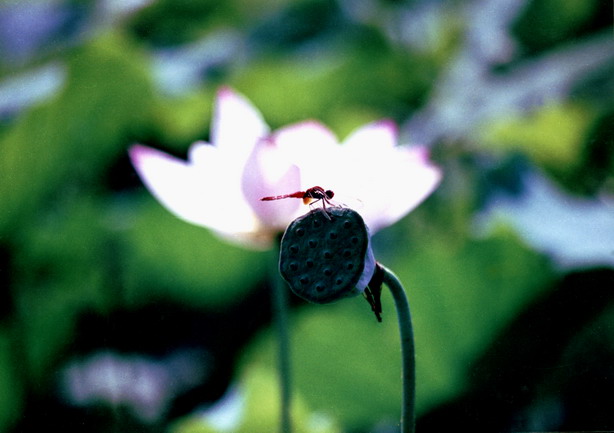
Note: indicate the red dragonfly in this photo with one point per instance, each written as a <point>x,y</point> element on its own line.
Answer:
<point>309,196</point>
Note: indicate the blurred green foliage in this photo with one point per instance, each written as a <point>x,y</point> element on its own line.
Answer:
<point>546,23</point>
<point>70,141</point>
<point>172,22</point>
<point>79,234</point>
<point>260,412</point>
<point>532,134</point>
<point>11,390</point>
<point>198,268</point>
<point>346,364</point>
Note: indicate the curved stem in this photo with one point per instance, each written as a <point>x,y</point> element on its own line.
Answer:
<point>408,419</point>
<point>280,317</point>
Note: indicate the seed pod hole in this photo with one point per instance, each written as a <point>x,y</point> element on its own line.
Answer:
<point>323,255</point>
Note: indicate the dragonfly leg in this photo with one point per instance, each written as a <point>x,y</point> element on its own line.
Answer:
<point>321,209</point>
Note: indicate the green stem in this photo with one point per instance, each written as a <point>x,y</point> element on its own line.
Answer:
<point>408,417</point>
<point>280,317</point>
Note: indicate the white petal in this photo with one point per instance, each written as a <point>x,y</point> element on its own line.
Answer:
<point>202,194</point>
<point>389,183</point>
<point>200,152</point>
<point>380,134</point>
<point>269,173</point>
<point>417,180</point>
<point>237,125</point>
<point>311,146</point>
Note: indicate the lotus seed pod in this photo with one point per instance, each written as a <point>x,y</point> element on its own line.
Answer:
<point>326,255</point>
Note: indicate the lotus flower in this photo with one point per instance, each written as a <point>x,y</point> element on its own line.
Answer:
<point>221,183</point>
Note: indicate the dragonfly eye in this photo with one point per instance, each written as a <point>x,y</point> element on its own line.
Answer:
<point>329,194</point>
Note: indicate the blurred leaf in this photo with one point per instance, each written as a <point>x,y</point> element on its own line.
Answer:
<point>48,325</point>
<point>296,25</point>
<point>368,76</point>
<point>169,258</point>
<point>545,23</point>
<point>550,368</point>
<point>258,410</point>
<point>255,9</point>
<point>10,388</point>
<point>69,240</point>
<point>184,120</point>
<point>262,411</point>
<point>108,97</point>
<point>346,120</point>
<point>71,140</point>
<point>64,271</point>
<point>552,136</point>
<point>348,366</point>
<point>461,295</point>
<point>172,22</point>
<point>345,364</point>
<point>269,82</point>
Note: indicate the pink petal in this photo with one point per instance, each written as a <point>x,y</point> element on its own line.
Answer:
<point>237,125</point>
<point>269,173</point>
<point>200,194</point>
